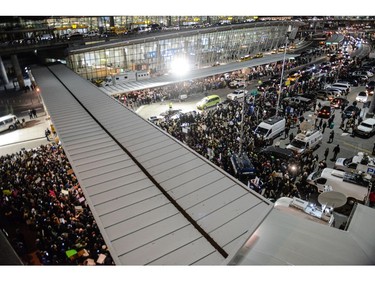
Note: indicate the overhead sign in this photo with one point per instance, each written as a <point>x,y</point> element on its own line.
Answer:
<point>371,171</point>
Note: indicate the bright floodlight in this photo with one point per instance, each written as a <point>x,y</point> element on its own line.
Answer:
<point>180,66</point>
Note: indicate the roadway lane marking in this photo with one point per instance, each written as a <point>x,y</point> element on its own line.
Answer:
<point>357,147</point>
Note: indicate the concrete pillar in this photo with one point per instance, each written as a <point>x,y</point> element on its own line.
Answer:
<point>18,71</point>
<point>159,59</point>
<point>100,25</point>
<point>370,112</point>
<point>111,21</point>
<point>3,73</point>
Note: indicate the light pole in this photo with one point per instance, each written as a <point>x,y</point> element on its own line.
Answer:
<point>282,69</point>
<point>242,119</point>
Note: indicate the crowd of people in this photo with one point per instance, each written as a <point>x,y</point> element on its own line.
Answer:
<point>216,135</point>
<point>39,191</point>
<point>175,91</point>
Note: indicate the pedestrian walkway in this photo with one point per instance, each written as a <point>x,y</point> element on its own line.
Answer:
<point>19,101</point>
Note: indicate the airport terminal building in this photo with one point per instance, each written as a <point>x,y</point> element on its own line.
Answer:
<point>156,53</point>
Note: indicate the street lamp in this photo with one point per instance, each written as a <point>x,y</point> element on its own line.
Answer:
<point>242,118</point>
<point>282,69</point>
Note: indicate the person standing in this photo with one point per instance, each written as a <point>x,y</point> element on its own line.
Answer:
<point>33,111</point>
<point>47,133</point>
<point>286,131</point>
<point>336,150</point>
<point>320,123</point>
<point>324,126</point>
<point>342,107</point>
<point>331,136</point>
<point>326,153</point>
<point>291,137</point>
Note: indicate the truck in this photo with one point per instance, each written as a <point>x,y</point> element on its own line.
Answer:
<point>355,186</point>
<point>304,142</point>
<point>304,209</point>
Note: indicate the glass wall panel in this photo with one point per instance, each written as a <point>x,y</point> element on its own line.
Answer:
<point>199,50</point>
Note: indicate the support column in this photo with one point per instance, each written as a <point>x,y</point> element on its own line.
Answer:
<point>18,71</point>
<point>3,73</point>
<point>111,21</point>
<point>100,25</point>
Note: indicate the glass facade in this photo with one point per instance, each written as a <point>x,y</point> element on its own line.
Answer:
<point>158,55</point>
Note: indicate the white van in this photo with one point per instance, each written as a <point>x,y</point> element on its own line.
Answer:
<point>8,122</point>
<point>341,182</point>
<point>304,142</point>
<point>271,128</point>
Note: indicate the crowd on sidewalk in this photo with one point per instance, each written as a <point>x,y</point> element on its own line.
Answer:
<point>39,189</point>
<point>137,98</point>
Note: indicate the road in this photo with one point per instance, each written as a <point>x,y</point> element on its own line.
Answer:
<point>31,136</point>
<point>349,145</point>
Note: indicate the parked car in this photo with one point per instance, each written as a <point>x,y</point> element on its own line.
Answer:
<point>246,58</point>
<point>293,77</point>
<point>275,152</point>
<point>311,96</point>
<point>361,97</point>
<point>107,34</point>
<point>370,87</point>
<point>352,111</point>
<point>352,81</point>
<point>91,34</point>
<point>76,36</point>
<point>237,83</point>
<point>242,164</point>
<point>169,114</point>
<point>334,93</point>
<point>299,101</point>
<point>324,95</point>
<point>266,84</point>
<point>338,102</point>
<point>325,112</point>
<point>46,37</point>
<point>369,74</point>
<point>153,119</point>
<point>258,55</point>
<point>208,101</point>
<point>237,94</point>
<point>361,78</point>
<point>366,128</point>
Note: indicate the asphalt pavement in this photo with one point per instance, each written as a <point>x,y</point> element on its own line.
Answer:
<point>349,145</point>
<point>32,134</point>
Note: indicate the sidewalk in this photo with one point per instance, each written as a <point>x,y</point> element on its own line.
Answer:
<point>18,102</point>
